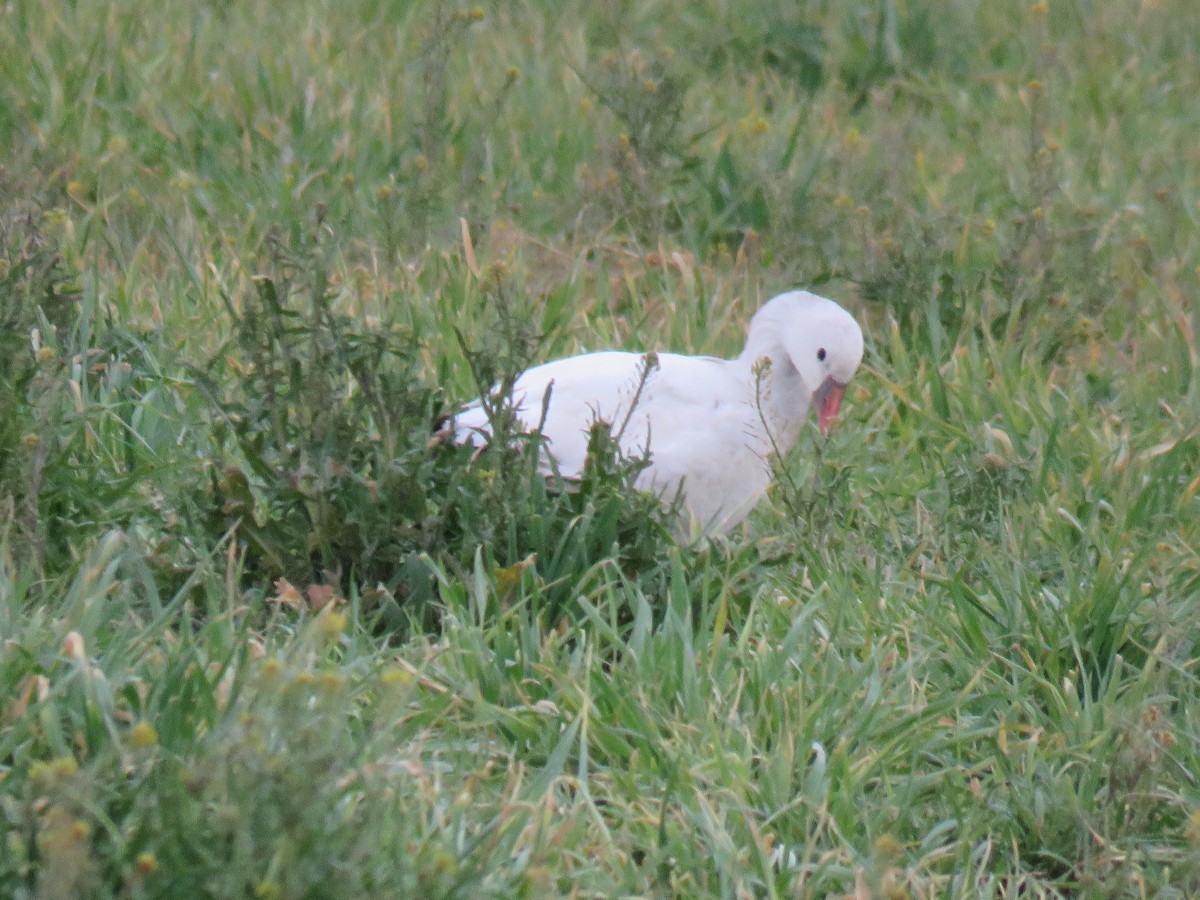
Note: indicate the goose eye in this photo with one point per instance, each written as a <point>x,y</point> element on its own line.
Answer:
<point>821,354</point>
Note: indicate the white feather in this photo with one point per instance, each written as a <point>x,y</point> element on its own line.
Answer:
<point>708,425</point>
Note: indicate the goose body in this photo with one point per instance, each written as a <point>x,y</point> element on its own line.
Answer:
<point>709,426</point>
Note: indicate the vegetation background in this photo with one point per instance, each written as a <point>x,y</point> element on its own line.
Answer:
<point>259,638</point>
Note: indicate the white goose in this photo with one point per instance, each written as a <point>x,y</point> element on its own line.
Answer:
<point>709,425</point>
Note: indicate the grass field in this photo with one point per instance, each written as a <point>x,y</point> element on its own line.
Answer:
<point>258,638</point>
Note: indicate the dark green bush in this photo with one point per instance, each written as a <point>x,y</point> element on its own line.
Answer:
<point>333,470</point>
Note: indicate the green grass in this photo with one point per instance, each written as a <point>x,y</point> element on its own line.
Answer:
<point>259,638</point>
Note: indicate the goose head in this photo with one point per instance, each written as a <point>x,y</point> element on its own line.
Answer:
<point>821,341</point>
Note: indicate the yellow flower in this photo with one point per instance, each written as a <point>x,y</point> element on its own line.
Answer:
<point>147,863</point>
<point>45,773</point>
<point>331,682</point>
<point>396,676</point>
<point>755,123</point>
<point>887,846</point>
<point>183,181</point>
<point>143,735</point>
<point>331,623</point>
